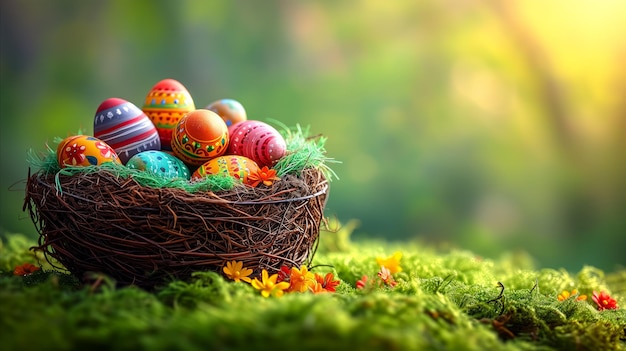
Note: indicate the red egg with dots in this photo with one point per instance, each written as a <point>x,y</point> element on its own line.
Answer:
<point>258,141</point>
<point>200,136</point>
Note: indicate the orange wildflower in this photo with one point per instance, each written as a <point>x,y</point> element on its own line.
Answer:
<point>566,295</point>
<point>301,279</point>
<point>317,288</point>
<point>237,272</point>
<point>265,175</point>
<point>25,269</point>
<point>326,283</point>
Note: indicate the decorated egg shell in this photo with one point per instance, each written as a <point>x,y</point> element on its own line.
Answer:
<point>258,141</point>
<point>125,128</point>
<point>230,110</point>
<point>239,167</point>
<point>166,103</point>
<point>200,136</point>
<point>160,163</point>
<point>85,150</point>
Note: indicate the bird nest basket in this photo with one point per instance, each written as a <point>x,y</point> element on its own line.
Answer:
<point>145,236</point>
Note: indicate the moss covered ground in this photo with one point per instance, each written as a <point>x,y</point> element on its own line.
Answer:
<point>443,300</point>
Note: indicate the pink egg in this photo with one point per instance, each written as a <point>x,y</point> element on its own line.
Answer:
<point>258,141</point>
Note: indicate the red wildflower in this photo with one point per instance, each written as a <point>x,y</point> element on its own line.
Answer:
<point>283,274</point>
<point>604,301</point>
<point>327,283</point>
<point>26,269</point>
<point>361,283</point>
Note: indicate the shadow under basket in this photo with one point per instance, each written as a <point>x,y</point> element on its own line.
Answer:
<point>144,236</point>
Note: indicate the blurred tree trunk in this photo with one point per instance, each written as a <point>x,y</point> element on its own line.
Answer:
<point>593,204</point>
<point>548,86</point>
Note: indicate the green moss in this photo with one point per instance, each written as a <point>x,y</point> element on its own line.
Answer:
<point>443,301</point>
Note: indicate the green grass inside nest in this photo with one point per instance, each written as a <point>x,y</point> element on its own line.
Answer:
<point>303,151</point>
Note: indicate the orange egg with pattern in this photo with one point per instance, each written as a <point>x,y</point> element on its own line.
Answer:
<point>85,150</point>
<point>200,136</point>
<point>239,167</point>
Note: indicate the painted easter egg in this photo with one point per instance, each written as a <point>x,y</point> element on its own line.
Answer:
<point>160,163</point>
<point>166,103</point>
<point>239,167</point>
<point>230,110</point>
<point>85,150</point>
<point>200,136</point>
<point>258,141</point>
<point>125,128</point>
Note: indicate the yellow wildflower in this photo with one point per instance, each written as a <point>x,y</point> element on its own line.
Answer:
<point>268,285</point>
<point>392,263</point>
<point>236,271</point>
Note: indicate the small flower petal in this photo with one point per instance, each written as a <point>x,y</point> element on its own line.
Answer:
<point>25,269</point>
<point>392,262</point>
<point>264,175</point>
<point>604,301</point>
<point>237,272</point>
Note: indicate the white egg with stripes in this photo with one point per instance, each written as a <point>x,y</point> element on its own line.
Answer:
<point>125,127</point>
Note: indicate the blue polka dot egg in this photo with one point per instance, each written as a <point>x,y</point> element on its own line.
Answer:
<point>160,163</point>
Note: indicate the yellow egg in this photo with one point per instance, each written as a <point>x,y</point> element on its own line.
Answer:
<point>166,103</point>
<point>239,167</point>
<point>85,150</point>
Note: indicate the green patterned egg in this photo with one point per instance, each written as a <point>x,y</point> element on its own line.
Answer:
<point>160,163</point>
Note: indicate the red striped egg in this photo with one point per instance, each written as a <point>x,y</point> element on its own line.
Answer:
<point>239,167</point>
<point>166,103</point>
<point>258,141</point>
<point>200,136</point>
<point>125,127</point>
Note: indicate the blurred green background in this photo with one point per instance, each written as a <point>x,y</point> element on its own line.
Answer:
<point>486,125</point>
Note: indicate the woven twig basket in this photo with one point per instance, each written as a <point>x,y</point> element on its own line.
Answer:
<point>102,222</point>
